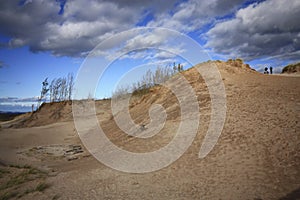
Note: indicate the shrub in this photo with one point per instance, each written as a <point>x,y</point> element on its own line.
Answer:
<point>42,186</point>
<point>150,79</point>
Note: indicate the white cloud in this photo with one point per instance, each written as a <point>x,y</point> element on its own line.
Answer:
<point>83,25</point>
<point>77,30</point>
<point>269,28</point>
<point>194,14</point>
<point>141,43</point>
<point>16,100</point>
<point>13,104</point>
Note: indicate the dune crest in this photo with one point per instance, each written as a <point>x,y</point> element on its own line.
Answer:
<point>256,156</point>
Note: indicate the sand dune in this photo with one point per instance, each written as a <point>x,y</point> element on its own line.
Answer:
<point>256,157</point>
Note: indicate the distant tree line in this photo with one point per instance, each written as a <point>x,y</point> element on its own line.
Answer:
<point>60,89</point>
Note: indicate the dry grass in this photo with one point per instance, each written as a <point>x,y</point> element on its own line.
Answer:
<point>18,181</point>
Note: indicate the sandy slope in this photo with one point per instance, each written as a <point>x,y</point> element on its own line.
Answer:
<point>256,157</point>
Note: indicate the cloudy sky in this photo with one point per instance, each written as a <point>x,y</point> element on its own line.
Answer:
<point>48,38</point>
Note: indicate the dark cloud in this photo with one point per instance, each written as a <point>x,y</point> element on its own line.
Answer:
<point>77,29</point>
<point>73,28</point>
<point>268,29</point>
<point>156,6</point>
<point>69,28</point>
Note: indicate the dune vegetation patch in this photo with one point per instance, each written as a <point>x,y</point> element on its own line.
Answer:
<point>293,68</point>
<point>18,181</point>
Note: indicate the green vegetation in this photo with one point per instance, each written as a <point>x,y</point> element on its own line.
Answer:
<point>27,174</point>
<point>42,186</point>
<point>3,171</point>
<point>55,197</point>
<point>16,181</point>
<point>293,68</point>
<point>8,195</point>
<point>8,116</point>
<point>239,60</point>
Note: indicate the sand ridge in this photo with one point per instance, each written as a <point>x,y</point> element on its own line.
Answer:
<point>256,157</point>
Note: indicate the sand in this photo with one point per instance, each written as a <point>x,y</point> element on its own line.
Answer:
<point>257,155</point>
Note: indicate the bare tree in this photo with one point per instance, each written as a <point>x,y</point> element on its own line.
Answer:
<point>61,89</point>
<point>44,91</point>
<point>70,85</point>
<point>55,92</point>
<point>51,90</point>
<point>149,79</point>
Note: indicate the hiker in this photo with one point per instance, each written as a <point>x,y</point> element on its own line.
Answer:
<point>174,67</point>
<point>271,70</point>
<point>266,71</point>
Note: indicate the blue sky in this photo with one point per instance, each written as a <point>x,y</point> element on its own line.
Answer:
<point>48,38</point>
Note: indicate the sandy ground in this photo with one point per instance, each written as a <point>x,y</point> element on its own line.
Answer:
<point>257,155</point>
